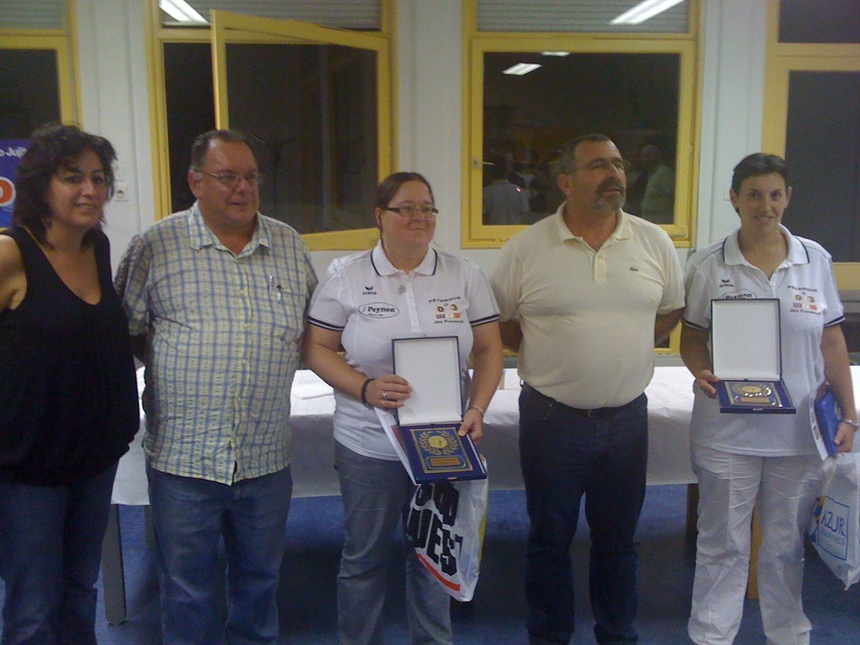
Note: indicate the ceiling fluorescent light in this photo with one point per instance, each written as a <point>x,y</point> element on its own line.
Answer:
<point>181,11</point>
<point>643,11</point>
<point>521,69</point>
<point>555,54</point>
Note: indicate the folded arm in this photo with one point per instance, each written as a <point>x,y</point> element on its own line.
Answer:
<point>512,334</point>
<point>665,323</point>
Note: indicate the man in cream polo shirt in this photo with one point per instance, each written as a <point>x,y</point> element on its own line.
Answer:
<point>583,296</point>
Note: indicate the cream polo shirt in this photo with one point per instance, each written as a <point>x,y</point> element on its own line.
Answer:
<point>809,302</point>
<point>587,316</point>
<point>370,302</point>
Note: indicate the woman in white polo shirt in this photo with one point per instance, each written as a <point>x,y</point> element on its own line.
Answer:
<point>741,458</point>
<point>400,288</point>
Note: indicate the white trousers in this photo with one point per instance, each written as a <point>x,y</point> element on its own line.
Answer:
<point>729,486</point>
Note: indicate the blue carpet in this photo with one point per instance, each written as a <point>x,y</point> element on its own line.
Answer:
<point>497,614</point>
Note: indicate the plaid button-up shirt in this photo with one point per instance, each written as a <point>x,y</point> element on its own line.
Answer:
<point>223,344</point>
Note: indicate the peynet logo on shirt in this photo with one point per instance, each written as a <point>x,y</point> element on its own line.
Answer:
<point>378,310</point>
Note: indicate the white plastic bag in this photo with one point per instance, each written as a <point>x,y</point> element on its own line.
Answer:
<point>835,526</point>
<point>445,525</point>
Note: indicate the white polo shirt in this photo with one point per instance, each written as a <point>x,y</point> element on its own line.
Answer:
<point>587,316</point>
<point>809,302</point>
<point>370,302</point>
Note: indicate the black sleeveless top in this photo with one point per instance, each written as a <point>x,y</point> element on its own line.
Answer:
<point>68,392</point>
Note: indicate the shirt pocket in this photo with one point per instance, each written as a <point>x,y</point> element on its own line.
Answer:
<point>282,309</point>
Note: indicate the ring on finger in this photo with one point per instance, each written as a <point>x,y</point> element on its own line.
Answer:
<point>384,395</point>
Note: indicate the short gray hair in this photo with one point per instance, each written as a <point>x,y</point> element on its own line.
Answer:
<point>201,144</point>
<point>567,162</point>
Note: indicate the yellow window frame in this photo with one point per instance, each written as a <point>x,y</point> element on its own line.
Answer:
<point>780,60</point>
<point>474,233</point>
<point>63,44</point>
<point>229,27</point>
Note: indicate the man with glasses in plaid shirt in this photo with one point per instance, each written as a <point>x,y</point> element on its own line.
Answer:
<point>216,296</point>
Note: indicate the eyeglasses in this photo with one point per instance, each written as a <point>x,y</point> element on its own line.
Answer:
<point>231,179</point>
<point>410,211</point>
<point>621,165</point>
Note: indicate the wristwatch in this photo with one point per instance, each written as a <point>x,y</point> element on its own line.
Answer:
<point>853,424</point>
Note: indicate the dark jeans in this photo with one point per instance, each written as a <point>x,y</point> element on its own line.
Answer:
<point>190,516</point>
<point>567,453</point>
<point>50,551</point>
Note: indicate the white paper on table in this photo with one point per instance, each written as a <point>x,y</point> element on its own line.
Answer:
<point>311,390</point>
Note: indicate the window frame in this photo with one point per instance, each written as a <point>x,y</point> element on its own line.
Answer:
<point>233,27</point>
<point>64,45</point>
<point>780,60</point>
<point>476,234</point>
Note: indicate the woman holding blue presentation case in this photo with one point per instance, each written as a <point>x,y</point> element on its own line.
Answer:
<point>400,288</point>
<point>772,459</point>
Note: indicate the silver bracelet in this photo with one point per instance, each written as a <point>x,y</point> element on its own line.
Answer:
<point>475,407</point>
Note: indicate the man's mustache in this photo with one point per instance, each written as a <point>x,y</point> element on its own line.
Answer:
<point>610,183</point>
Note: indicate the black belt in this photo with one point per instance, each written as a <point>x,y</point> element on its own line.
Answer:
<point>593,413</point>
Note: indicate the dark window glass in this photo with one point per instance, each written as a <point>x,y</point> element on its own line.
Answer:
<point>819,21</point>
<point>312,111</point>
<point>632,98</point>
<point>30,95</point>
<point>190,110</point>
<point>822,150</point>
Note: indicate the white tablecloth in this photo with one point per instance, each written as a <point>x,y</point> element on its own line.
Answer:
<point>670,400</point>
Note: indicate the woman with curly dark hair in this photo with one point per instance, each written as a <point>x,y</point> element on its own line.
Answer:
<point>68,395</point>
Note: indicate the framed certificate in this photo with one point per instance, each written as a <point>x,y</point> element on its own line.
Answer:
<point>425,428</point>
<point>746,353</point>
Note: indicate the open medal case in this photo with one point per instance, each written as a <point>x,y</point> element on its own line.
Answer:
<point>746,352</point>
<point>428,422</point>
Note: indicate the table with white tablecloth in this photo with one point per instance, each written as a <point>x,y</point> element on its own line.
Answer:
<point>670,399</point>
